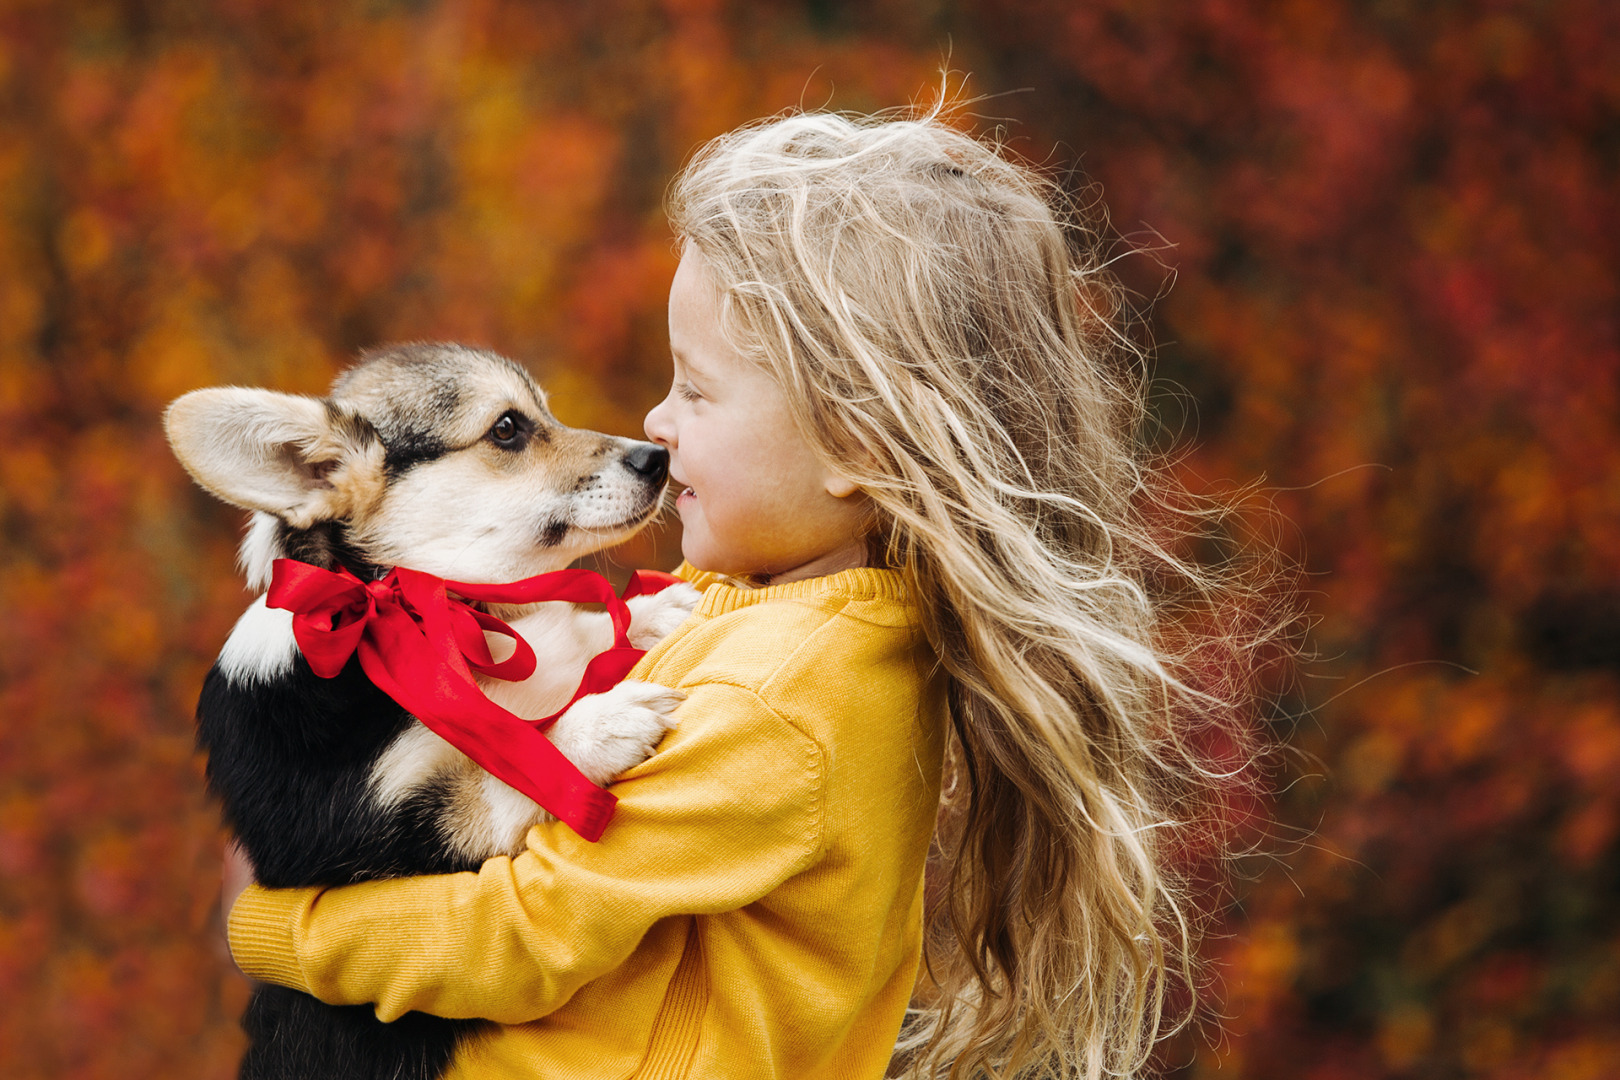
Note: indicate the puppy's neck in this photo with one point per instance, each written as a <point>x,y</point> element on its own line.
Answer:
<point>326,544</point>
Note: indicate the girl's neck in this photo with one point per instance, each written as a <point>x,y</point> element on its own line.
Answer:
<point>847,557</point>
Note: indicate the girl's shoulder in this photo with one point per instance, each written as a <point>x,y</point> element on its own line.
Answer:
<point>835,665</point>
<point>827,630</point>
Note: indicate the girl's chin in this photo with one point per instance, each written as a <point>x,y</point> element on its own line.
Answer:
<point>693,550</point>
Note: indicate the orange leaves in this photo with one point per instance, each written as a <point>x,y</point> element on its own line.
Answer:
<point>1393,226</point>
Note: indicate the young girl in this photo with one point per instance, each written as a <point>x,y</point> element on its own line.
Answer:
<point>903,422</point>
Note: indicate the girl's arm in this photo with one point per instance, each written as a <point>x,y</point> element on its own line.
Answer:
<point>728,808</point>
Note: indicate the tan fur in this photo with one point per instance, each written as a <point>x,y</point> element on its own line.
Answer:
<point>355,480</point>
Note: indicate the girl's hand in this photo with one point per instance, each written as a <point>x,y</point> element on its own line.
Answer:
<point>237,875</point>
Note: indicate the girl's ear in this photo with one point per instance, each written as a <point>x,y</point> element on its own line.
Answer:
<point>839,487</point>
<point>292,456</point>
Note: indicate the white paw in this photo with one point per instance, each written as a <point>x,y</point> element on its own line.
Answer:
<point>607,733</point>
<point>654,617</point>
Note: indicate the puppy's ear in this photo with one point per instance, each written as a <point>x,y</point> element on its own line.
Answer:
<point>292,456</point>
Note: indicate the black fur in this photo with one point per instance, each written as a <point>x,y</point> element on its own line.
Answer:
<point>290,758</point>
<point>410,450</point>
<point>553,533</point>
<point>342,1041</point>
<point>325,544</point>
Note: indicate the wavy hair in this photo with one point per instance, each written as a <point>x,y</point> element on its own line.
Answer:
<point>948,338</point>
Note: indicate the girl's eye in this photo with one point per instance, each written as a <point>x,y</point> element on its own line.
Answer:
<point>686,392</point>
<point>505,431</point>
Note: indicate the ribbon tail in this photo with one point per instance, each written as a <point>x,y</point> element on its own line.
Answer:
<point>646,582</point>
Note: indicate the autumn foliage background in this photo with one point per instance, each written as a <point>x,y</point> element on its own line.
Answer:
<point>1393,232</point>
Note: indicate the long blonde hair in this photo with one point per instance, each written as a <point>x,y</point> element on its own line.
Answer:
<point>948,341</point>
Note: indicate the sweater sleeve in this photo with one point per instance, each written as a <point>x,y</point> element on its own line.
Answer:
<point>729,808</point>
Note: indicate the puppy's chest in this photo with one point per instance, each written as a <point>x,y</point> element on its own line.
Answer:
<point>564,639</point>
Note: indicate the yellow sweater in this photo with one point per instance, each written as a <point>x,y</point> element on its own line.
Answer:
<point>755,906</point>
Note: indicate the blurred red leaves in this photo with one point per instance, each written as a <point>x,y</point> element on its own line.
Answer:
<point>1393,228</point>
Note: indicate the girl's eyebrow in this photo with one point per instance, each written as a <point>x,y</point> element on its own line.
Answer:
<point>688,369</point>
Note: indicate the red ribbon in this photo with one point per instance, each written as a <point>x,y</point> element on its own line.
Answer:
<point>420,645</point>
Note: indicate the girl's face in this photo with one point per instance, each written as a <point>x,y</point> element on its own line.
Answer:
<point>756,500</point>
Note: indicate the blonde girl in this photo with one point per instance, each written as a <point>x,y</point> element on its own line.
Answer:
<point>903,423</point>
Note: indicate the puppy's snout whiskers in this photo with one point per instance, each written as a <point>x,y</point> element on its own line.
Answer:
<point>666,502</point>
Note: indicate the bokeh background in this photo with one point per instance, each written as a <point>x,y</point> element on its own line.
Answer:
<point>1391,227</point>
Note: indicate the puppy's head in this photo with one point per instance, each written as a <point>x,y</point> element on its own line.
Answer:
<point>436,457</point>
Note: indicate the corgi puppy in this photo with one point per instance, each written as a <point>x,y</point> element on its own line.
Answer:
<point>443,459</point>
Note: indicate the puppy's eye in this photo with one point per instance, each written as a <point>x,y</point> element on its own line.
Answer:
<point>506,431</point>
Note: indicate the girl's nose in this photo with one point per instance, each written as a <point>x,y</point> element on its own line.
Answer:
<point>657,425</point>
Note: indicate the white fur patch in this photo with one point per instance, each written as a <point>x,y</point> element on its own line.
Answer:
<point>261,546</point>
<point>414,757</point>
<point>261,646</point>
<point>483,817</point>
<point>564,638</point>
<point>509,815</point>
<point>482,527</point>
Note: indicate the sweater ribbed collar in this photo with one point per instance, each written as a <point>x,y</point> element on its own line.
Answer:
<point>860,583</point>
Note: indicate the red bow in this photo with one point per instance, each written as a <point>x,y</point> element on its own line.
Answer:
<point>420,646</point>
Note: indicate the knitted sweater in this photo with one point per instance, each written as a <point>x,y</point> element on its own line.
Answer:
<point>755,906</point>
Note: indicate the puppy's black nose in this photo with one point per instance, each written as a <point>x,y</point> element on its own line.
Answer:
<point>649,460</point>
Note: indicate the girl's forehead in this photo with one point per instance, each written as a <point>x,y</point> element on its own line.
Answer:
<point>694,314</point>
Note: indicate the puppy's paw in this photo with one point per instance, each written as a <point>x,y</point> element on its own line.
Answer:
<point>607,733</point>
<point>654,616</point>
